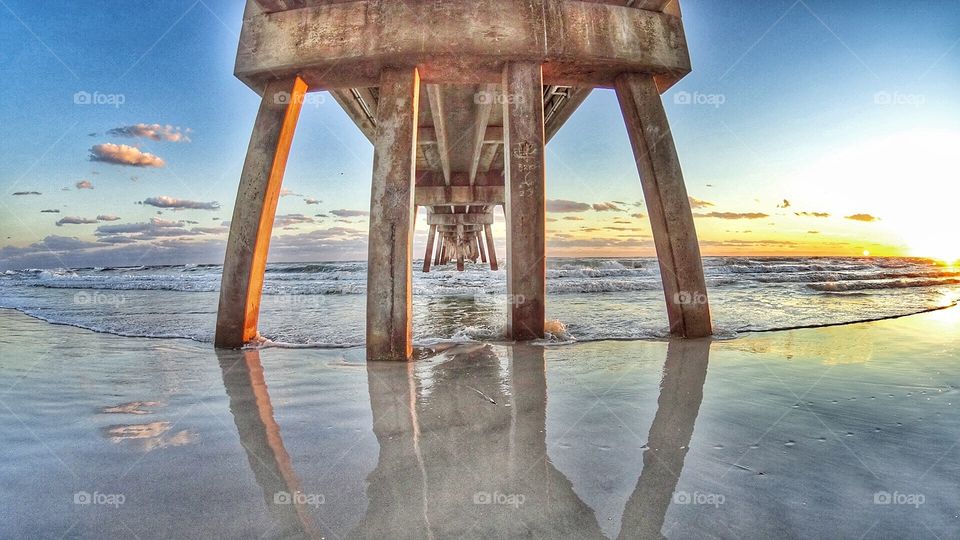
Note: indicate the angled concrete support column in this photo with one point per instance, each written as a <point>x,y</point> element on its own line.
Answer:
<point>491,249</point>
<point>671,219</point>
<point>254,211</point>
<point>389,272</point>
<point>429,253</point>
<point>525,202</point>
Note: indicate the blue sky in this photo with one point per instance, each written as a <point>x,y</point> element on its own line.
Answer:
<point>785,88</point>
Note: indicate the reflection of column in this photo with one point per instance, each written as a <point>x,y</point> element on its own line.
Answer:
<point>260,437</point>
<point>681,393</point>
<point>396,490</point>
<point>455,438</point>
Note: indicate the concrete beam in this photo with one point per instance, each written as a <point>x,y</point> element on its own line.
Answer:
<point>346,44</point>
<point>525,199</point>
<point>674,232</point>
<point>460,219</point>
<point>389,278</point>
<point>428,135</point>
<point>459,195</point>
<point>439,126</point>
<point>254,212</point>
<point>480,129</point>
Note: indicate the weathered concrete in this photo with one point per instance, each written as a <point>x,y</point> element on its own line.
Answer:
<point>483,254</point>
<point>491,248</point>
<point>500,79</point>
<point>671,218</point>
<point>436,259</point>
<point>389,278</point>
<point>254,212</point>
<point>526,204</point>
<point>429,253</point>
<point>346,44</point>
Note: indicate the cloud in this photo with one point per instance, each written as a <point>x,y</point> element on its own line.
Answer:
<point>84,184</point>
<point>20,193</point>
<point>866,218</point>
<point>107,217</point>
<point>117,239</point>
<point>562,206</point>
<point>157,222</point>
<point>573,218</point>
<point>74,220</point>
<point>121,154</point>
<point>131,228</point>
<point>311,200</point>
<point>607,207</point>
<point>733,215</point>
<point>696,203</point>
<point>638,216</point>
<point>784,204</point>
<point>813,214</point>
<point>211,230</point>
<point>287,220</point>
<point>349,213</point>
<point>50,211</point>
<point>164,201</point>
<point>289,193</point>
<point>155,132</point>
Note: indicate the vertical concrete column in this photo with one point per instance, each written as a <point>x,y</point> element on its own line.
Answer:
<point>525,201</point>
<point>491,249</point>
<point>431,236</point>
<point>254,211</point>
<point>461,245</point>
<point>671,218</point>
<point>480,251</point>
<point>440,245</point>
<point>389,272</point>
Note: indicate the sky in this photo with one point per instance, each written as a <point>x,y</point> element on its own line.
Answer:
<point>807,127</point>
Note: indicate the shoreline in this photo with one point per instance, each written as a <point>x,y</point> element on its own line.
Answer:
<point>446,343</point>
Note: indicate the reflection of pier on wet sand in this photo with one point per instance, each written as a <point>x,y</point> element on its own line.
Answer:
<point>463,448</point>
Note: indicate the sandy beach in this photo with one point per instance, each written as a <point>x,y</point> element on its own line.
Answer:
<point>825,433</point>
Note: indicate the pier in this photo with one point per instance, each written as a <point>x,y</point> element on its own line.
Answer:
<point>459,100</point>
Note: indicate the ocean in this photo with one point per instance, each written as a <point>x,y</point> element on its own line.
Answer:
<point>589,299</point>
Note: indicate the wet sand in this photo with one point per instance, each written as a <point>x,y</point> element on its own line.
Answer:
<point>846,432</point>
